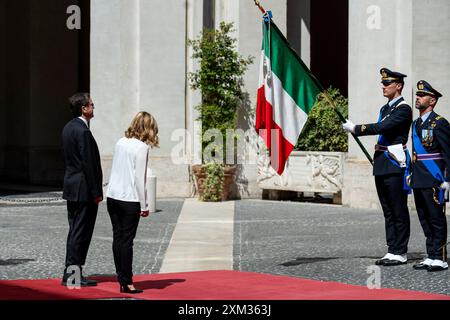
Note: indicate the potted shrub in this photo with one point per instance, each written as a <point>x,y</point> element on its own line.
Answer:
<point>219,79</point>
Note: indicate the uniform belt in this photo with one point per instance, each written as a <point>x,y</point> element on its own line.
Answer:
<point>428,156</point>
<point>379,147</point>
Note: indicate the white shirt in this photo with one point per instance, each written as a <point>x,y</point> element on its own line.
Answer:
<point>85,121</point>
<point>425,116</point>
<point>391,103</point>
<point>129,172</point>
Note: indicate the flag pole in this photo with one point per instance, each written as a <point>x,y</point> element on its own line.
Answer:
<point>329,99</point>
<point>258,4</point>
<point>341,117</point>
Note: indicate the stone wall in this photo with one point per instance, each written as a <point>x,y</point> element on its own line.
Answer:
<point>139,61</point>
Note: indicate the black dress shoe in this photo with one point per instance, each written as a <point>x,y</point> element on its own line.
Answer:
<point>126,289</point>
<point>421,266</point>
<point>84,282</point>
<point>390,263</point>
<point>381,262</point>
<point>436,268</point>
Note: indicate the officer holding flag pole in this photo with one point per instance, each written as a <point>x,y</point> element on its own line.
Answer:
<point>391,165</point>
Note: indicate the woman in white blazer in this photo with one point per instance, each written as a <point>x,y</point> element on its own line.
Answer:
<point>127,194</point>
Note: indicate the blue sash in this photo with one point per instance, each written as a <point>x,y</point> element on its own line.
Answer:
<point>430,165</point>
<point>382,141</point>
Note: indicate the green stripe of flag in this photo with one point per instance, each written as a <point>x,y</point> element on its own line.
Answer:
<point>295,76</point>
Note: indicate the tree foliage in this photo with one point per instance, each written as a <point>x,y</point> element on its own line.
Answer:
<point>323,129</point>
<point>219,78</point>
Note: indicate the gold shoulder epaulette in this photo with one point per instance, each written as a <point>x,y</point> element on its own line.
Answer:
<point>438,118</point>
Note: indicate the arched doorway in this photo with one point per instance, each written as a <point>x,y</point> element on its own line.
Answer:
<point>42,62</point>
<point>318,31</point>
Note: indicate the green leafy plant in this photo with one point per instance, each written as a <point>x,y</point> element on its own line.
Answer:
<point>213,182</point>
<point>323,129</point>
<point>219,78</point>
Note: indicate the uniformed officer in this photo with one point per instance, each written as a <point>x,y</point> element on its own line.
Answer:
<point>430,176</point>
<point>391,163</point>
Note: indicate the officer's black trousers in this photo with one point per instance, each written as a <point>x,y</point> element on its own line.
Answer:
<point>125,219</point>
<point>81,217</point>
<point>393,201</point>
<point>433,221</point>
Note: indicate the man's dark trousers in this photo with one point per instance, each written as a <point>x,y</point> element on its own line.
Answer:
<point>433,221</point>
<point>393,201</point>
<point>81,216</point>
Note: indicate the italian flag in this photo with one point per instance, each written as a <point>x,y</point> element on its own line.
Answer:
<point>287,91</point>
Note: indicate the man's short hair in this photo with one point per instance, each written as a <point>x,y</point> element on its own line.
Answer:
<point>77,101</point>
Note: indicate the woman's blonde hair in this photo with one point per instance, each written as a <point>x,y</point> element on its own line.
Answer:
<point>144,127</point>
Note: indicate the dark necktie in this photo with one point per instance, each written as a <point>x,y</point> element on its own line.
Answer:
<point>383,111</point>
<point>419,123</point>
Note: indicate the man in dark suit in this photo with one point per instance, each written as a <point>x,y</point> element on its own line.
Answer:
<point>391,163</point>
<point>430,175</point>
<point>82,186</point>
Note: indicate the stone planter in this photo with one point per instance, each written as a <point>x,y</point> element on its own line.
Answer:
<point>199,172</point>
<point>306,171</point>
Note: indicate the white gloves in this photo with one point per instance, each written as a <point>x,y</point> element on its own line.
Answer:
<point>446,186</point>
<point>349,126</point>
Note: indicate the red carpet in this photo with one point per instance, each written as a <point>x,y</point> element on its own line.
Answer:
<point>208,285</point>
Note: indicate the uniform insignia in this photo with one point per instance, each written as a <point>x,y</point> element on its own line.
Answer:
<point>438,118</point>
<point>433,124</point>
<point>424,88</point>
<point>427,137</point>
<point>363,127</point>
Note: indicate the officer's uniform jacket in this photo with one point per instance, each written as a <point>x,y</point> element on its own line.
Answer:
<point>434,134</point>
<point>394,126</point>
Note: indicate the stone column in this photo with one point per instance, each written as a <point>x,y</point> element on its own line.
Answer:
<point>138,51</point>
<point>192,135</point>
<point>115,69</point>
<point>298,28</point>
<point>227,11</point>
<point>163,86</point>
<point>431,47</point>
